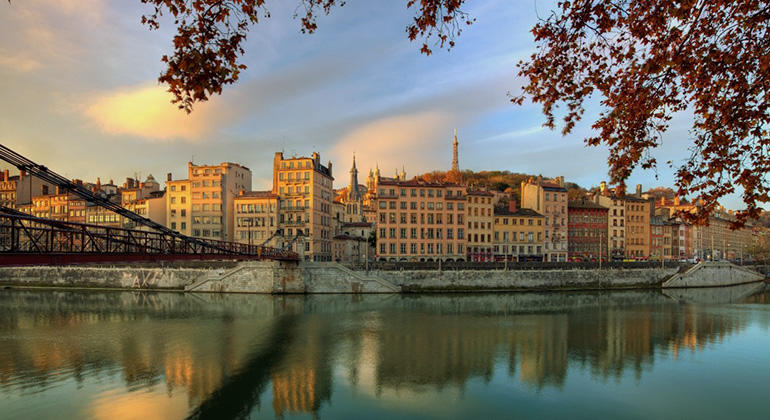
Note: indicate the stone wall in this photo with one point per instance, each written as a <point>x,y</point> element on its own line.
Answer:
<point>330,277</point>
<point>465,280</point>
<point>158,278</point>
<point>711,274</point>
<point>279,277</point>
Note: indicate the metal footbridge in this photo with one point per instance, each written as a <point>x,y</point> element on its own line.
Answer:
<point>28,240</point>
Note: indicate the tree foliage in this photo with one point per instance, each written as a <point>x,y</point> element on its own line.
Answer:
<point>644,60</point>
<point>649,60</point>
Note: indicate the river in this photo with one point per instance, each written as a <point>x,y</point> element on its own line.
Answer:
<point>700,354</point>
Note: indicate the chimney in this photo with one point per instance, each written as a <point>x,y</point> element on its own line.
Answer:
<point>22,173</point>
<point>676,201</point>
<point>662,201</point>
<point>639,190</point>
<point>168,177</point>
<point>603,188</point>
<point>561,181</point>
<point>512,206</point>
<point>5,175</point>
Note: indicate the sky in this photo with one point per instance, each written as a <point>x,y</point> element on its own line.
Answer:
<point>80,95</point>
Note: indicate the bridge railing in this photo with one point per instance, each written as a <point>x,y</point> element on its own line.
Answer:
<point>28,234</point>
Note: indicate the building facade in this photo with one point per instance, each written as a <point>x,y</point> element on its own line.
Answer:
<point>480,208</point>
<point>305,189</point>
<point>638,212</point>
<point>549,198</point>
<point>202,205</point>
<point>420,221</point>
<point>518,234</point>
<point>587,230</point>
<point>256,219</point>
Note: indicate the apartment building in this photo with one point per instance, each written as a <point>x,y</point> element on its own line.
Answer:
<point>420,221</point>
<point>637,228</point>
<point>616,221</point>
<point>549,198</point>
<point>480,208</point>
<point>587,230</point>
<point>18,190</point>
<point>202,205</point>
<point>305,189</point>
<point>179,206</point>
<point>256,218</point>
<point>518,234</point>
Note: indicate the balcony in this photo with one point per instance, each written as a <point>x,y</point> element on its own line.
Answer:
<point>293,223</point>
<point>293,208</point>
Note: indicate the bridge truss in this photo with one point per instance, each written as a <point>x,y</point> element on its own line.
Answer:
<point>25,239</point>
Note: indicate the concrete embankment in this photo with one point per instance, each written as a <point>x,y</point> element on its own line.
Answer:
<point>287,278</point>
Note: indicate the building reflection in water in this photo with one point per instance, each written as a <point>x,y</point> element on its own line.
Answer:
<point>178,355</point>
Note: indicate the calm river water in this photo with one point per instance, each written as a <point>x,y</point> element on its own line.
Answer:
<point>701,354</point>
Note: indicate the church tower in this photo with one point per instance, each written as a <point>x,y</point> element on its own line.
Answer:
<point>353,195</point>
<point>455,162</point>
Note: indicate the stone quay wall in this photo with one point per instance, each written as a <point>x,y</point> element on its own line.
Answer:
<point>278,277</point>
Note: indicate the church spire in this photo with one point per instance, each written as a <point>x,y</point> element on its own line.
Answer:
<point>353,188</point>
<point>455,162</point>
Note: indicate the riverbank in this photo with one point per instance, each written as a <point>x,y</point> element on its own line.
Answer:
<point>277,277</point>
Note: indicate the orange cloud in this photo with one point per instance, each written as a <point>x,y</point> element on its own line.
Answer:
<point>413,141</point>
<point>147,111</point>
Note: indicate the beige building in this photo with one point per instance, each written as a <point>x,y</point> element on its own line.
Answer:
<point>256,218</point>
<point>305,189</point>
<point>616,222</point>
<point>518,234</point>
<point>145,199</point>
<point>480,208</point>
<point>638,212</point>
<point>719,242</point>
<point>18,190</point>
<point>152,207</point>
<point>420,221</point>
<point>202,205</point>
<point>549,198</point>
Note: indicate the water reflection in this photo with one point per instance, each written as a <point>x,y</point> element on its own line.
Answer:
<point>140,355</point>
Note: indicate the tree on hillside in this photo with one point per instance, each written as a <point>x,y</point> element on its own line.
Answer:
<point>644,61</point>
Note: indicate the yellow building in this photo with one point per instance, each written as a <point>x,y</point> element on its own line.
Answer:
<point>518,234</point>
<point>638,212</point>
<point>256,218</point>
<point>178,206</point>
<point>305,190</point>
<point>202,205</point>
<point>549,198</point>
<point>480,207</point>
<point>420,221</point>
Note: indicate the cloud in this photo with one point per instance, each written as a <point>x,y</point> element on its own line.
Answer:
<point>18,63</point>
<point>413,140</point>
<point>146,111</point>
